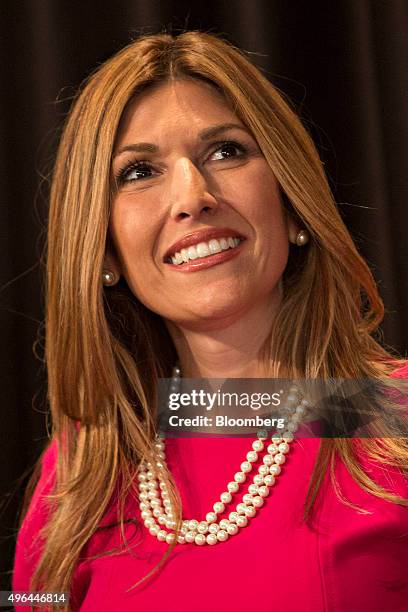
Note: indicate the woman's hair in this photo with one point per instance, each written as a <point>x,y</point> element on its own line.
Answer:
<point>106,351</point>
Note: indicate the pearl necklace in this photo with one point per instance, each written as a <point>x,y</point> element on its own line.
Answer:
<point>156,507</point>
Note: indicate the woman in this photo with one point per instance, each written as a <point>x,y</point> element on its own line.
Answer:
<point>191,222</point>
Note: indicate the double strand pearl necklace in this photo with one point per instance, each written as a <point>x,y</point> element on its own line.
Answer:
<point>156,507</point>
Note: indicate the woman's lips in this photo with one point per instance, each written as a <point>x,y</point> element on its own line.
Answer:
<point>199,236</point>
<point>203,263</point>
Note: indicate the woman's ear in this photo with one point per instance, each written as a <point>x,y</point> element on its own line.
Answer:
<point>111,267</point>
<point>293,231</point>
<point>292,227</point>
<point>296,234</point>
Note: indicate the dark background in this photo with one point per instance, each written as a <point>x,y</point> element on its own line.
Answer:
<point>344,66</point>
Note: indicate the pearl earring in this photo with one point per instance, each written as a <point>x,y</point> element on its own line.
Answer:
<point>108,278</point>
<point>302,237</point>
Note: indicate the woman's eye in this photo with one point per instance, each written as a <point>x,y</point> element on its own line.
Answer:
<point>228,150</point>
<point>135,172</point>
<point>140,170</point>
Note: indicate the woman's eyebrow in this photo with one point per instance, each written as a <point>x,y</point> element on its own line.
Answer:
<point>140,147</point>
<point>218,129</point>
<point>148,147</point>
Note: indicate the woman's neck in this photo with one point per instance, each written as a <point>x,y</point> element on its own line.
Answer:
<point>230,351</point>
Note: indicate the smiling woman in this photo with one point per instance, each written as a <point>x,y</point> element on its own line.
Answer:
<point>192,230</point>
<point>213,205</point>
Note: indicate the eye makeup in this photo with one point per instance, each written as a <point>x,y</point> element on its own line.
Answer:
<point>138,167</point>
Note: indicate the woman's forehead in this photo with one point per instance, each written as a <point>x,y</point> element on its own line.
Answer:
<point>178,104</point>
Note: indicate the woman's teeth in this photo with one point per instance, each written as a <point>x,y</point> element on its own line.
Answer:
<point>203,249</point>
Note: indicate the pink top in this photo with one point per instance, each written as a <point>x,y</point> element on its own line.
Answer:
<point>346,561</point>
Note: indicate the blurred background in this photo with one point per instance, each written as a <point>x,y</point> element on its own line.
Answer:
<point>342,64</point>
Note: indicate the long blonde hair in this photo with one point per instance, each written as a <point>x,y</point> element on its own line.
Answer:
<point>105,351</point>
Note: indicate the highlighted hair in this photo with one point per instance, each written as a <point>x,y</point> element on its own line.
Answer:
<point>105,351</point>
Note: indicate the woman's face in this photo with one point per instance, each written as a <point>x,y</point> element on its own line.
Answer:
<point>197,219</point>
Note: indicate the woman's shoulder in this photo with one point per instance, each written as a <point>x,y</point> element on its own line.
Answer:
<point>29,544</point>
<point>47,468</point>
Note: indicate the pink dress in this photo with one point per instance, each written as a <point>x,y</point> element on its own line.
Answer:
<point>345,561</point>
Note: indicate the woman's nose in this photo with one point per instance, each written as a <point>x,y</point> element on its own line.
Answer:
<point>189,194</point>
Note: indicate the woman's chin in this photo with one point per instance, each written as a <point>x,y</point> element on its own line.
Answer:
<point>209,316</point>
